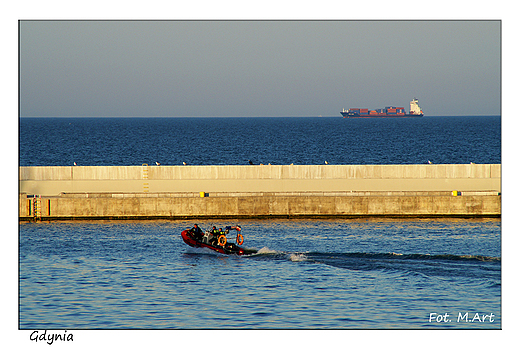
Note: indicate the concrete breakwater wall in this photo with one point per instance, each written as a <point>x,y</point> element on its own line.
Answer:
<point>127,192</point>
<point>53,180</point>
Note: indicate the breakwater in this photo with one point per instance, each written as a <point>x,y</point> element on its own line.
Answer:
<point>146,192</point>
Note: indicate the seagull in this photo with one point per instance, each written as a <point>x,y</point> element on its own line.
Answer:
<point>184,163</point>
<point>156,163</point>
<point>429,162</point>
<point>75,164</point>
<point>326,162</point>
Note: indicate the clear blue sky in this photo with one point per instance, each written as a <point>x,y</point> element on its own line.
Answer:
<point>256,68</point>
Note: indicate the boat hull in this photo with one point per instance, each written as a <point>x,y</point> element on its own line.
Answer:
<point>355,115</point>
<point>229,248</point>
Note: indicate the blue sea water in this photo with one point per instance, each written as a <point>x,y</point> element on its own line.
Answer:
<point>308,273</point>
<point>279,141</point>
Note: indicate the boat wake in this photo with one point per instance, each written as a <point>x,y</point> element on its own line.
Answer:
<point>424,264</point>
<point>296,257</point>
<point>266,250</point>
<point>267,253</point>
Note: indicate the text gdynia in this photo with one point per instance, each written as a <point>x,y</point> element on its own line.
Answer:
<point>37,336</point>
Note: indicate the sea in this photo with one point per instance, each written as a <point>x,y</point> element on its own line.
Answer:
<point>307,274</point>
<point>274,140</point>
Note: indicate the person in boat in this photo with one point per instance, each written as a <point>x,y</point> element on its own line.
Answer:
<point>222,232</point>
<point>197,232</point>
<point>216,234</point>
<point>213,236</point>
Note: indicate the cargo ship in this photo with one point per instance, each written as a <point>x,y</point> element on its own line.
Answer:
<point>387,112</point>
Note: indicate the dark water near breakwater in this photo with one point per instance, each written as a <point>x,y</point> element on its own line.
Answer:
<point>279,141</point>
<point>312,274</point>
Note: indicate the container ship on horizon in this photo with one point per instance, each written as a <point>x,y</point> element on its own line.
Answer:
<point>387,112</point>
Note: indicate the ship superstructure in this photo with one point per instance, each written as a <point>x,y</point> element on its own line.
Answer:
<point>387,112</point>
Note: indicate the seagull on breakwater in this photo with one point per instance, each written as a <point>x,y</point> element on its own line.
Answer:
<point>184,163</point>
<point>75,164</point>
<point>156,163</point>
<point>326,162</point>
<point>429,162</point>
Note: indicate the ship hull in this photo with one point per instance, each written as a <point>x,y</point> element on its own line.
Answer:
<point>347,115</point>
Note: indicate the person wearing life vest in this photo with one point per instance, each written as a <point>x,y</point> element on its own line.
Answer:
<point>218,234</point>
<point>214,236</point>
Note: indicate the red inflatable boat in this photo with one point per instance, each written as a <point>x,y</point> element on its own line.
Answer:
<point>215,241</point>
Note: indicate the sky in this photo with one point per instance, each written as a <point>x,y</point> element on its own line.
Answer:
<point>257,68</point>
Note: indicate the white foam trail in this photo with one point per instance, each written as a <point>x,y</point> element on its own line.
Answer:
<point>297,257</point>
<point>266,250</point>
